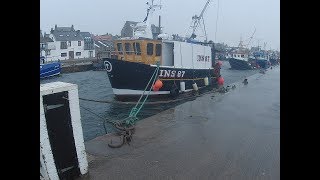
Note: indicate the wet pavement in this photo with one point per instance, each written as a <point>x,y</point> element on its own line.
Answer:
<point>235,135</point>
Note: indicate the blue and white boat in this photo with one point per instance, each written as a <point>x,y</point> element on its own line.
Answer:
<point>49,69</point>
<point>262,59</point>
<point>239,58</point>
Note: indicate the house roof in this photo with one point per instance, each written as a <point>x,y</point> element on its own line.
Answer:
<point>67,35</point>
<point>65,29</point>
<point>45,39</point>
<point>103,38</point>
<point>85,34</point>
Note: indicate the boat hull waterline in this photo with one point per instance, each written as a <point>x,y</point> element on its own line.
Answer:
<point>131,78</point>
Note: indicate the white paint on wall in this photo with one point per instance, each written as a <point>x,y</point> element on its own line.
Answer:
<point>192,56</point>
<point>45,147</point>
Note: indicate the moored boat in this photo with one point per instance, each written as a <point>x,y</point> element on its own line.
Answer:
<point>182,65</point>
<point>262,59</point>
<point>239,58</point>
<point>274,59</point>
<point>49,69</point>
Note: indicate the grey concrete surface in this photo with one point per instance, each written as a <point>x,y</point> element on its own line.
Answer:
<point>235,135</point>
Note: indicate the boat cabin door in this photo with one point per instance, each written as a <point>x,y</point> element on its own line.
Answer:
<point>167,54</point>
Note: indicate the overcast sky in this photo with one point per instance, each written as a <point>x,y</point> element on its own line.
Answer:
<point>236,18</point>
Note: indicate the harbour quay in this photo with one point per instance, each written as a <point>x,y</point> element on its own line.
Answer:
<point>232,135</point>
<point>77,65</point>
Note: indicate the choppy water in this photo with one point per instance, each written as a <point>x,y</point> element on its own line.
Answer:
<point>96,85</point>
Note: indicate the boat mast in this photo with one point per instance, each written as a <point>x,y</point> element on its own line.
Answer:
<point>251,37</point>
<point>143,29</point>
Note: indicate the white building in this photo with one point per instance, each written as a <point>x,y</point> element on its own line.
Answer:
<point>67,43</point>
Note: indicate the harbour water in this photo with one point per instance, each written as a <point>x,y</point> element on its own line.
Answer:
<point>95,85</point>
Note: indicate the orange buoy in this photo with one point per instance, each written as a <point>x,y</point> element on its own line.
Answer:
<point>154,88</point>
<point>220,80</point>
<point>158,84</point>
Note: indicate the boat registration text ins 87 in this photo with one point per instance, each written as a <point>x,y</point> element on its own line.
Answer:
<point>171,74</point>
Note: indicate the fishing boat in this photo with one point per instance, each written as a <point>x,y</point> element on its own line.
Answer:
<point>239,58</point>
<point>49,69</point>
<point>183,65</point>
<point>274,59</point>
<point>262,59</point>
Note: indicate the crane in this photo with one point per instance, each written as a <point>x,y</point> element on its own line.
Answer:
<point>196,21</point>
<point>251,37</point>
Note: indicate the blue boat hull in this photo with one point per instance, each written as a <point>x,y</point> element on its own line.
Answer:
<point>263,63</point>
<point>274,61</point>
<point>51,69</point>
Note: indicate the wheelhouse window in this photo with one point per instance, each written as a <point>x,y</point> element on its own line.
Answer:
<point>242,55</point>
<point>158,49</point>
<point>128,48</point>
<point>136,48</point>
<point>150,49</point>
<point>119,47</point>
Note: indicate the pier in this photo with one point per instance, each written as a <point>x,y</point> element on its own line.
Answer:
<point>77,65</point>
<point>233,135</point>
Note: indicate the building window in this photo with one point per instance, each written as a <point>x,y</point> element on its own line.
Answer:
<point>136,48</point>
<point>150,49</point>
<point>119,47</point>
<point>63,45</point>
<point>128,48</point>
<point>69,43</point>
<point>63,54</point>
<point>79,43</point>
<point>47,53</point>
<point>242,55</point>
<point>158,49</point>
<point>78,53</point>
<point>90,53</point>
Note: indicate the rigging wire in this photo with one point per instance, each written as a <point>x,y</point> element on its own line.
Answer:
<point>215,34</point>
